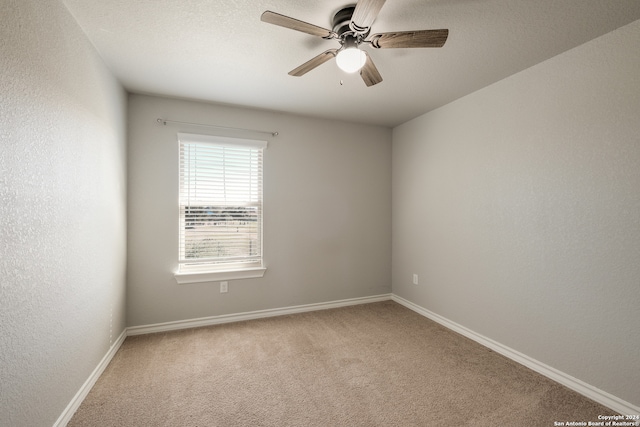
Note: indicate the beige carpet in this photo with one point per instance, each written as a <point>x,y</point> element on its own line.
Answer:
<point>369,365</point>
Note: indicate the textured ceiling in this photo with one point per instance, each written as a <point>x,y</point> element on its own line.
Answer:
<point>220,51</point>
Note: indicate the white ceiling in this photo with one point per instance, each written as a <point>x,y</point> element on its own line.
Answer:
<point>220,51</point>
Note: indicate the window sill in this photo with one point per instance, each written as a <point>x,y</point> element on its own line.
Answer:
<point>216,276</point>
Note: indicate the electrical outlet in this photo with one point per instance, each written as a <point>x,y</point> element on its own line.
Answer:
<point>415,279</point>
<point>224,287</point>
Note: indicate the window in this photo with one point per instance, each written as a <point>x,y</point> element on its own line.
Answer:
<point>220,200</point>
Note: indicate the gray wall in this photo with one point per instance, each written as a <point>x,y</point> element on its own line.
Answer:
<point>519,208</point>
<point>327,212</point>
<point>62,211</point>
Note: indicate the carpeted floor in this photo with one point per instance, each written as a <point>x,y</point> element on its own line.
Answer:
<point>368,365</point>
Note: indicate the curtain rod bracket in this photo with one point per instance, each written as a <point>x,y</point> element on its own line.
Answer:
<point>165,122</point>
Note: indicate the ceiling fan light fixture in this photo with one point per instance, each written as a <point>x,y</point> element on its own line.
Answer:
<point>351,59</point>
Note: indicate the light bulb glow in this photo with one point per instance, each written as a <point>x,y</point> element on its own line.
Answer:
<point>351,59</point>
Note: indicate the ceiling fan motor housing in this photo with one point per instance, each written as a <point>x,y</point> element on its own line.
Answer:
<point>341,23</point>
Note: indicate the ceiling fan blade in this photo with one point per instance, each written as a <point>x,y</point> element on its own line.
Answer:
<point>313,63</point>
<point>295,24</point>
<point>370,73</point>
<point>365,13</point>
<point>404,39</point>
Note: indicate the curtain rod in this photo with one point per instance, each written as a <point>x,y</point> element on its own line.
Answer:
<point>165,122</point>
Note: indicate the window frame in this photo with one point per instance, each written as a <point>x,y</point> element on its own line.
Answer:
<point>209,272</point>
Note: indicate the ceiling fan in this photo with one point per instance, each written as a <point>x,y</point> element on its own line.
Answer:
<point>351,27</point>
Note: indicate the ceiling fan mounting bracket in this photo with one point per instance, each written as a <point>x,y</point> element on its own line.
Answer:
<point>374,41</point>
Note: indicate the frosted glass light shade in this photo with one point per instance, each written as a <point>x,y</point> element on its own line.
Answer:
<point>351,59</point>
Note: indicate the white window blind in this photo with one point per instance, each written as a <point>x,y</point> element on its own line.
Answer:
<point>220,202</point>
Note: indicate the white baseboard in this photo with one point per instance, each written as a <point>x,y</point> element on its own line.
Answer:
<point>566,380</point>
<point>575,384</point>
<point>73,406</point>
<point>228,318</point>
